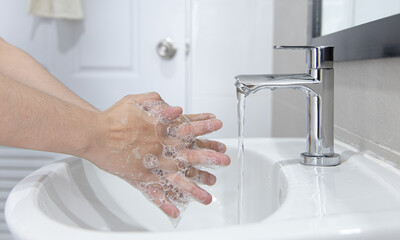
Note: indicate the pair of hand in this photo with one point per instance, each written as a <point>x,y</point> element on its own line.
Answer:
<point>152,146</point>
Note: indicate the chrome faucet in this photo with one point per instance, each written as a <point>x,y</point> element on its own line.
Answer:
<point>318,84</point>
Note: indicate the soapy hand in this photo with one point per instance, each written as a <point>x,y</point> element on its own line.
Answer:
<point>152,146</point>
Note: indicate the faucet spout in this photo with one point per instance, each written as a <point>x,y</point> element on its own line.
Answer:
<point>318,85</point>
<point>247,84</point>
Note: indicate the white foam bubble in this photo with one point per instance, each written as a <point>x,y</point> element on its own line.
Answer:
<point>158,172</point>
<point>150,161</point>
<point>152,108</point>
<point>208,161</point>
<point>150,104</point>
<point>172,130</point>
<point>170,193</point>
<point>188,140</point>
<point>198,178</point>
<point>181,165</point>
<point>169,151</point>
<point>210,126</point>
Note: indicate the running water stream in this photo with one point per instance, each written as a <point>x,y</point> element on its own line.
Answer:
<point>241,103</point>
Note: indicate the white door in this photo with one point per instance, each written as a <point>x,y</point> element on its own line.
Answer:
<point>112,51</point>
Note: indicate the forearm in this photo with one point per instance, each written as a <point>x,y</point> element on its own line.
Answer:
<point>21,67</point>
<point>36,120</point>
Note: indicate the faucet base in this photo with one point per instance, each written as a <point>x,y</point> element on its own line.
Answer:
<point>323,161</point>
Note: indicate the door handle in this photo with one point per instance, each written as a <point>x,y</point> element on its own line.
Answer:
<point>166,48</point>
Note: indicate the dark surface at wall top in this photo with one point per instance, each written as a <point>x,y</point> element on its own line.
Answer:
<point>377,39</point>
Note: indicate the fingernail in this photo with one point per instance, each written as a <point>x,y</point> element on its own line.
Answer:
<point>206,198</point>
<point>175,214</point>
<point>170,210</point>
<point>227,160</point>
<point>211,116</point>
<point>221,147</point>
<point>178,108</point>
<point>211,180</point>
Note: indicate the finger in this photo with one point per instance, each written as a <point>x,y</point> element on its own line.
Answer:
<point>213,145</point>
<point>167,137</point>
<point>150,96</point>
<point>203,157</point>
<point>199,128</point>
<point>200,116</point>
<point>152,102</point>
<point>161,115</point>
<point>176,195</point>
<point>167,112</point>
<point>201,177</point>
<point>141,98</point>
<point>171,164</point>
<point>194,174</point>
<point>159,199</point>
<point>191,188</point>
<point>176,123</point>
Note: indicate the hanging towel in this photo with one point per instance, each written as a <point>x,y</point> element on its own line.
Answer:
<point>69,9</point>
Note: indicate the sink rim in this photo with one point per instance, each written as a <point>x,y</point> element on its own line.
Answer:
<point>274,221</point>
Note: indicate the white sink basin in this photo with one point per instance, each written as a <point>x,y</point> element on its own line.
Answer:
<point>72,199</point>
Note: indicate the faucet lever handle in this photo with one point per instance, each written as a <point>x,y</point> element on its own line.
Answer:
<point>318,57</point>
<point>295,47</point>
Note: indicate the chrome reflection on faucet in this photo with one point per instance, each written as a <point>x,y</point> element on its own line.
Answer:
<point>318,84</point>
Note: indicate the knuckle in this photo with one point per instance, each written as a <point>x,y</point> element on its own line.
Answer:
<point>194,189</point>
<point>155,95</point>
<point>190,156</point>
<point>187,128</point>
<point>129,98</point>
<point>175,178</point>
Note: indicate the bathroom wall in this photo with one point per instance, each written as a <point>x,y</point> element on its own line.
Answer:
<point>288,106</point>
<point>367,93</point>
<point>367,106</point>
<point>231,37</point>
<point>23,30</point>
